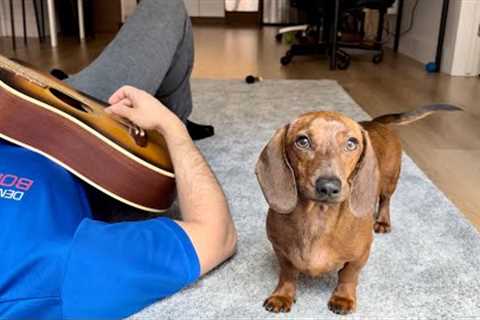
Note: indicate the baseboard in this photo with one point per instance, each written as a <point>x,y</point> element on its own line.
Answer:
<point>420,49</point>
<point>208,20</point>
<point>243,18</point>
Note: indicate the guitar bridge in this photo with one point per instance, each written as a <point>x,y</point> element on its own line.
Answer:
<point>139,135</point>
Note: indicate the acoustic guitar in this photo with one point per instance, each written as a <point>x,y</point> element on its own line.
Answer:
<point>45,115</point>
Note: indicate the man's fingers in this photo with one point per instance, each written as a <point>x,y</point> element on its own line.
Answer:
<point>120,109</point>
<point>126,102</point>
<point>125,92</point>
<point>116,96</point>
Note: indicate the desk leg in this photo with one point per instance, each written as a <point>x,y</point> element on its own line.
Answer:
<point>37,20</point>
<point>333,40</point>
<point>441,35</point>
<point>81,21</point>
<point>24,22</point>
<point>398,28</point>
<point>12,25</point>
<point>51,22</point>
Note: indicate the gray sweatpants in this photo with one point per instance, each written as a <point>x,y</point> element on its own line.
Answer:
<point>153,51</point>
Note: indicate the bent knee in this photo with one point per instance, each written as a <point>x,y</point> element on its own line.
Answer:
<point>174,8</point>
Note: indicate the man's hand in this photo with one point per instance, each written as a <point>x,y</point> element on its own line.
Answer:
<point>205,212</point>
<point>143,110</point>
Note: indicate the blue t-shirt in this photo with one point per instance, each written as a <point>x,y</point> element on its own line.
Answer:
<point>56,262</point>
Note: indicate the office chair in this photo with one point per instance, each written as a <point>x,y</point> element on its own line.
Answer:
<point>300,30</point>
<point>356,8</point>
<point>318,38</point>
<point>315,39</point>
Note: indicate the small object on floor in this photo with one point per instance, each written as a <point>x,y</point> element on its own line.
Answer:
<point>431,67</point>
<point>199,131</point>
<point>252,79</point>
<point>59,74</point>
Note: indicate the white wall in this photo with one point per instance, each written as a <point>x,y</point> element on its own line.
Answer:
<point>464,58</point>
<point>206,8</point>
<point>242,5</point>
<point>421,42</point>
<point>461,51</point>
<point>451,35</point>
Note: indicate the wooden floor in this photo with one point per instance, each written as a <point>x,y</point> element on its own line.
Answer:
<point>445,146</point>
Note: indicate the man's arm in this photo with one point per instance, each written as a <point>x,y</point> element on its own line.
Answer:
<point>205,212</point>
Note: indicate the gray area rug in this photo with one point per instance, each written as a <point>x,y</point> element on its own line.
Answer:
<point>427,268</point>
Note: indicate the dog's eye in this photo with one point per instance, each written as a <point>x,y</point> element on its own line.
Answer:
<point>352,144</point>
<point>302,142</point>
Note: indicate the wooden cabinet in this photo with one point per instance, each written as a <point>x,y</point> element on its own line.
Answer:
<point>192,7</point>
<point>205,8</point>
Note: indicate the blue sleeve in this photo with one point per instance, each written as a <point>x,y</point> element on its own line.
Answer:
<point>115,270</point>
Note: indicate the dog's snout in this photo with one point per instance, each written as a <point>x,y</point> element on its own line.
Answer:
<point>328,188</point>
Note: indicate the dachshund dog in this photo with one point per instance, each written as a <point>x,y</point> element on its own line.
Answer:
<point>324,176</point>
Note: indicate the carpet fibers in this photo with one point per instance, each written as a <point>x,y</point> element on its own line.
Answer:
<point>427,268</point>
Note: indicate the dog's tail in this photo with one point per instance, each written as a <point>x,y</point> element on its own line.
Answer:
<point>417,114</point>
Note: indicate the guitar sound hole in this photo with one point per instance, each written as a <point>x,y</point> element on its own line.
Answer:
<point>70,101</point>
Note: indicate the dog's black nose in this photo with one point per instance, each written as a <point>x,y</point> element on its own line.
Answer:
<point>328,188</point>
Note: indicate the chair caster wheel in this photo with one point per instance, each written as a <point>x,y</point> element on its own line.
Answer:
<point>286,59</point>
<point>378,58</point>
<point>343,62</point>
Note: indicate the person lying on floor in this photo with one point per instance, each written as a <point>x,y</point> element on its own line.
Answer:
<point>57,262</point>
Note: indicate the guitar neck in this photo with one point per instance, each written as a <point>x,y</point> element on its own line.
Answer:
<point>45,81</point>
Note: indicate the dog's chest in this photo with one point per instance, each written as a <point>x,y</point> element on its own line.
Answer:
<point>316,250</point>
<point>315,256</point>
<point>314,240</point>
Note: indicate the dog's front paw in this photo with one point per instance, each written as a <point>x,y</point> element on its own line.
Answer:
<point>279,304</point>
<point>382,227</point>
<point>341,305</point>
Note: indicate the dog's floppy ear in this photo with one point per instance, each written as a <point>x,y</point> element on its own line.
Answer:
<point>364,181</point>
<point>276,176</point>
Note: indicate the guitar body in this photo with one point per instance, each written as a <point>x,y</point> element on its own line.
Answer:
<point>47,116</point>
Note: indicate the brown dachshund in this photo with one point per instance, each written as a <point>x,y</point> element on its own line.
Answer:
<point>323,176</point>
